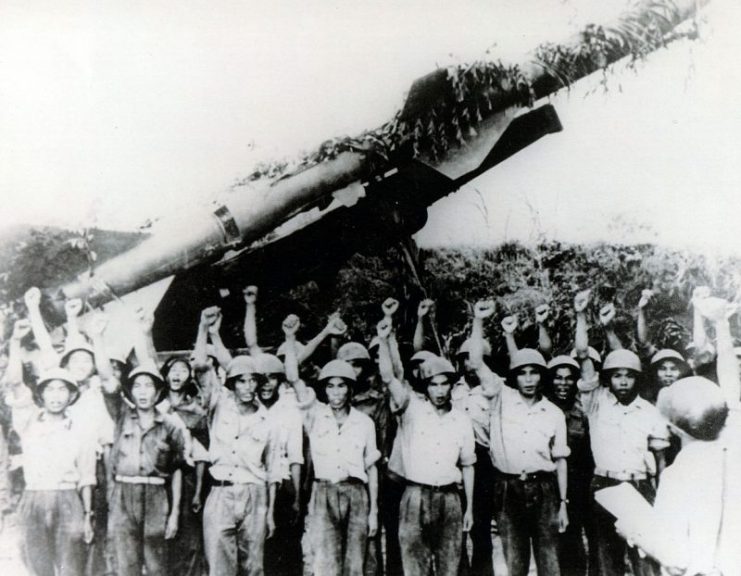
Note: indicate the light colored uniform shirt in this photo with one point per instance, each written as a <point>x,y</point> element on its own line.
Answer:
<point>525,438</point>
<point>475,405</point>
<point>90,412</point>
<point>287,417</point>
<point>57,454</point>
<point>622,437</point>
<point>434,446</point>
<point>242,446</point>
<point>339,452</point>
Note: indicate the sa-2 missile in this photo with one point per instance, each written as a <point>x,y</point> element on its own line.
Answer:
<point>478,106</point>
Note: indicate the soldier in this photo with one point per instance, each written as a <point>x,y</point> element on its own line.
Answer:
<point>563,374</point>
<point>283,551</point>
<point>59,469</point>
<point>627,437</point>
<point>437,450</point>
<point>148,451</point>
<point>343,511</point>
<point>528,447</point>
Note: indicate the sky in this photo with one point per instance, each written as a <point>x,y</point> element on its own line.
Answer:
<point>115,113</point>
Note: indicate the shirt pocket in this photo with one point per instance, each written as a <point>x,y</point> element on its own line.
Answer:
<point>163,455</point>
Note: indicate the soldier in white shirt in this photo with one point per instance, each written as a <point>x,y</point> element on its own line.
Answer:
<point>627,437</point>
<point>343,511</point>
<point>437,450</point>
<point>528,447</point>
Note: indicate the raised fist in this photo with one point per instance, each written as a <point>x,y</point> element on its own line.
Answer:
<point>291,325</point>
<point>483,309</point>
<point>425,307</point>
<point>215,327</point>
<point>607,314</point>
<point>335,325</point>
<point>646,296</point>
<point>383,329</point>
<point>250,294</point>
<point>715,309</point>
<point>32,298</point>
<point>390,306</point>
<point>509,324</point>
<point>541,313</point>
<point>72,308</point>
<point>581,300</point>
<point>210,315</point>
<point>20,329</point>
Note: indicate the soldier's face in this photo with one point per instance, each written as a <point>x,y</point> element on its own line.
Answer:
<point>563,383</point>
<point>668,373</point>
<point>438,390</point>
<point>56,396</point>
<point>144,391</point>
<point>338,393</point>
<point>528,380</point>
<point>81,365</point>
<point>245,388</point>
<point>622,383</point>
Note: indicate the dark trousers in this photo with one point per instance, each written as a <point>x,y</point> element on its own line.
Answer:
<point>283,550</point>
<point>393,490</point>
<point>185,552</point>
<point>527,512</point>
<point>138,515</point>
<point>100,552</point>
<point>51,531</point>
<point>576,558</point>
<point>338,528</point>
<point>430,526</point>
<point>611,547</point>
<point>483,511</point>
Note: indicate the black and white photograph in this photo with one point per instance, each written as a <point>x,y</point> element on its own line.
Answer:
<point>370,288</point>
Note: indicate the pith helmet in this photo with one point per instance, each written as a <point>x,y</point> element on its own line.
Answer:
<point>337,369</point>
<point>435,367</point>
<point>667,354</point>
<point>269,364</point>
<point>239,366</point>
<point>58,374</point>
<point>618,359</point>
<point>526,357</point>
<point>150,369</point>
<point>353,351</point>
<point>79,346</point>
<point>563,360</point>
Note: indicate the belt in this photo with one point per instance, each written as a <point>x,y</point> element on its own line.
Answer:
<point>442,488</point>
<point>527,476</point>
<point>152,480</point>
<point>622,476</point>
<point>349,480</point>
<point>60,486</point>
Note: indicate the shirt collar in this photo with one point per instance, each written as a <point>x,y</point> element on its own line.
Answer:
<point>539,404</point>
<point>66,420</point>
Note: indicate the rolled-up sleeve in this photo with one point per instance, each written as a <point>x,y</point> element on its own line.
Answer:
<point>467,456</point>
<point>589,391</point>
<point>86,462</point>
<point>560,447</point>
<point>658,438</point>
<point>371,454</point>
<point>295,439</point>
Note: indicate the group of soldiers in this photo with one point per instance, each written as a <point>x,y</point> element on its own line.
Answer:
<point>377,462</point>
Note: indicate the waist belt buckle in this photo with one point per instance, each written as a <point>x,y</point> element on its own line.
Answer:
<point>523,476</point>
